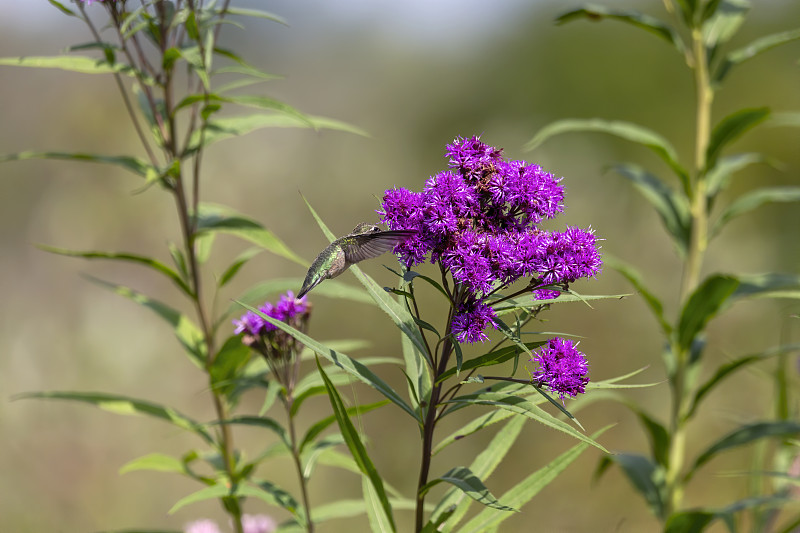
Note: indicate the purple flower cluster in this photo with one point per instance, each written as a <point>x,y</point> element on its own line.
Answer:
<point>562,368</point>
<point>267,339</point>
<point>478,220</point>
<point>287,308</point>
<point>250,524</point>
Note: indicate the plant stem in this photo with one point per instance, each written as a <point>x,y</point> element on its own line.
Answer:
<point>298,464</point>
<point>680,382</point>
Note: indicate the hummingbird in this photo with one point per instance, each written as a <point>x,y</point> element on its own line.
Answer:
<point>364,242</point>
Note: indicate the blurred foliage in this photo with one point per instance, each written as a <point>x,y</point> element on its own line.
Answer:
<point>413,89</point>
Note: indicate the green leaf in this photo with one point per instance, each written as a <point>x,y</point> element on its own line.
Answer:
<point>762,44</point>
<point>228,364</point>
<point>357,449</point>
<point>526,408</point>
<point>635,279</point>
<point>672,207</point>
<point>484,464</point>
<point>718,177</point>
<point>158,462</point>
<point>744,435</point>
<point>123,405</point>
<point>688,10</point>
<point>188,334</point>
<point>225,128</point>
<point>252,13</point>
<point>341,360</point>
<point>122,256</point>
<point>628,16</point>
<point>258,421</point>
<point>221,219</point>
<point>771,285</point>
<point>752,200</point>
<point>264,491</point>
<point>723,24</point>
<point>625,130</point>
<point>417,371</point>
<point>323,424</point>
<point>645,476</point>
<point>399,314</point>
<point>731,128</point>
<point>83,64</point>
<point>524,491</point>
<point>462,478</point>
<point>692,521</point>
<point>379,521</point>
<point>133,164</point>
<point>238,263</point>
<point>494,357</point>
<point>527,301</point>
<point>63,8</point>
<point>732,366</point>
<point>703,305</point>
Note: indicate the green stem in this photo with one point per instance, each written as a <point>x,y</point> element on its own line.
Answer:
<point>298,464</point>
<point>681,388</point>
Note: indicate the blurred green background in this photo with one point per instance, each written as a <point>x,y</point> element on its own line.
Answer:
<point>414,75</point>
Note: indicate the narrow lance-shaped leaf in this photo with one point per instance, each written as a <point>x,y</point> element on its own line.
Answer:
<point>671,206</point>
<point>752,200</point>
<point>526,408</point>
<point>731,128</point>
<point>133,164</point>
<point>122,256</point>
<point>82,64</point>
<point>628,16</point>
<point>762,44</point>
<point>718,177</point>
<point>462,478</point>
<point>742,436</point>
<point>357,449</point>
<point>124,405</point>
<point>341,360</point>
<point>625,130</point>
<point>635,279</point>
<point>703,304</point>
<point>524,491</point>
<point>646,477</point>
<point>719,27</point>
<point>483,466</point>
<point>771,285</point>
<point>221,219</point>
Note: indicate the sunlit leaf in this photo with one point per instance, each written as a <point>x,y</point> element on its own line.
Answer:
<point>357,449</point>
<point>646,477</point>
<point>673,208</point>
<point>528,301</point>
<point>725,22</point>
<point>635,279</point>
<point>625,130</point>
<point>221,219</point>
<point>122,256</point>
<point>524,491</point>
<point>185,330</point>
<point>731,128</point>
<point>718,177</point>
<point>83,64</point>
<point>762,44</point>
<point>628,16</point>
<point>462,478</point>
<point>123,405</point>
<point>703,305</point>
<point>158,462</point>
<point>752,200</point>
<point>133,164</point>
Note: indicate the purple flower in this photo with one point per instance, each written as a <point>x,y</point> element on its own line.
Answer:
<point>259,523</point>
<point>562,368</point>
<point>478,221</point>
<point>201,526</point>
<point>269,340</point>
<point>287,308</point>
<point>471,319</point>
<point>249,322</point>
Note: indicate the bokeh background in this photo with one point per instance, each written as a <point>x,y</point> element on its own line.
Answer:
<point>414,75</point>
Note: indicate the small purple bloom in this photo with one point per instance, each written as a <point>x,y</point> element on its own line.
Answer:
<point>259,523</point>
<point>248,323</point>
<point>471,319</point>
<point>201,526</point>
<point>562,368</point>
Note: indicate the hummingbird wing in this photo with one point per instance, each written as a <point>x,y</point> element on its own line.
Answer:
<point>369,245</point>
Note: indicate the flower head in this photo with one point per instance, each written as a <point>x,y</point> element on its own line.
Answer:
<point>201,526</point>
<point>259,523</point>
<point>562,368</point>
<point>268,339</point>
<point>479,219</point>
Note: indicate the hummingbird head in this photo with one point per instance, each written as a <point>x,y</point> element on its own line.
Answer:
<point>365,227</point>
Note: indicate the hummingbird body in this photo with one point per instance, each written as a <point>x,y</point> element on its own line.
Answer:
<point>364,242</point>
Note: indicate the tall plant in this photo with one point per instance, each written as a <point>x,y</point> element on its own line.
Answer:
<point>693,213</point>
<point>168,64</point>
